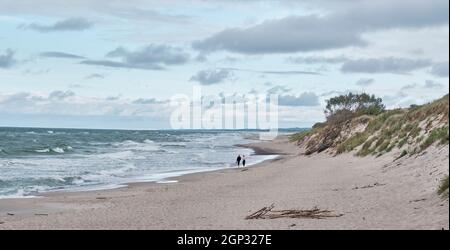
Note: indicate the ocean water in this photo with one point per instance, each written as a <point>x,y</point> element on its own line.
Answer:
<point>34,160</point>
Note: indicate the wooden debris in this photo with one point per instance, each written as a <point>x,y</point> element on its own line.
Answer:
<point>376,184</point>
<point>418,200</point>
<point>269,213</point>
<point>41,214</point>
<point>10,214</point>
<point>2,222</point>
<point>258,214</point>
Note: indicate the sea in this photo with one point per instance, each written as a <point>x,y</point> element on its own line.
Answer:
<point>38,160</point>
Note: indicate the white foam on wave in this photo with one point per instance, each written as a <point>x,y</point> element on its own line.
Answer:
<point>78,181</point>
<point>110,176</point>
<point>58,150</point>
<point>58,178</point>
<point>19,194</point>
<point>173,144</point>
<point>47,150</point>
<point>117,172</point>
<point>122,155</point>
<point>165,177</point>
<point>147,145</point>
<point>167,181</point>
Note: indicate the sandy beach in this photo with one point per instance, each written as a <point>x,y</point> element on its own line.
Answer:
<point>369,193</point>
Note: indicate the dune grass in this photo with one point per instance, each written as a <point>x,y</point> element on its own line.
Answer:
<point>437,135</point>
<point>300,136</point>
<point>443,188</point>
<point>403,154</point>
<point>398,128</point>
<point>353,142</point>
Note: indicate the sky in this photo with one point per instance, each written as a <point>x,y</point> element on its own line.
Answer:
<point>116,64</point>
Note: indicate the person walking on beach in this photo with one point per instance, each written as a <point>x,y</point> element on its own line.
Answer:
<point>238,160</point>
<point>243,160</point>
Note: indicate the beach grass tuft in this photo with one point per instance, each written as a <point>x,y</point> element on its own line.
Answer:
<point>300,136</point>
<point>437,135</point>
<point>443,188</point>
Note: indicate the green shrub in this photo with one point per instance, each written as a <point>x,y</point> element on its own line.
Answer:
<point>356,104</point>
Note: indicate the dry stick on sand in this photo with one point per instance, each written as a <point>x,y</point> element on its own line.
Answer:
<point>370,186</point>
<point>269,213</point>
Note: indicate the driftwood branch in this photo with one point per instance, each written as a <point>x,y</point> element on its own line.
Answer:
<point>376,184</point>
<point>269,213</point>
<point>260,213</point>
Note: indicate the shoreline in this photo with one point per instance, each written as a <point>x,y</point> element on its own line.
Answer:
<point>370,193</point>
<point>258,149</point>
<point>172,176</point>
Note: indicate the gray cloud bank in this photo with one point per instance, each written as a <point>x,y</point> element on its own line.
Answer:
<point>276,72</point>
<point>210,77</point>
<point>332,31</point>
<point>70,24</point>
<point>394,65</point>
<point>440,69</point>
<point>7,59</point>
<point>364,82</point>
<point>384,65</point>
<point>55,54</point>
<point>68,103</point>
<point>307,99</point>
<point>152,57</point>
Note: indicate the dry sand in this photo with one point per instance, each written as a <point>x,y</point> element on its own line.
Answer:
<point>371,193</point>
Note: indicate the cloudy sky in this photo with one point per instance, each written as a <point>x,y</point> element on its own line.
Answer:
<point>115,64</point>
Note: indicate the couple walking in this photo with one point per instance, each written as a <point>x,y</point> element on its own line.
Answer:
<point>239,159</point>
